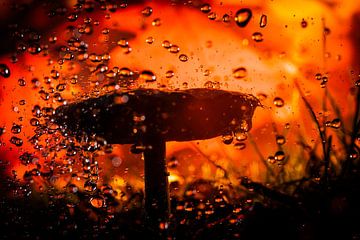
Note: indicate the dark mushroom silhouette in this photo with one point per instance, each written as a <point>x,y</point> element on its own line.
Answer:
<point>150,117</point>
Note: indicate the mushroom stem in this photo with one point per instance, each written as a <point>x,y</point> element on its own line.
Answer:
<point>157,207</point>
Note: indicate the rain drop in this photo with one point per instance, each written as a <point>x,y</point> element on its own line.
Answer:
<point>205,8</point>
<point>226,18</point>
<point>149,40</point>
<point>243,16</point>
<point>263,21</point>
<point>212,16</point>
<point>174,49</point>
<point>257,37</point>
<point>239,73</point>
<point>183,58</point>
<point>169,74</point>
<point>280,139</point>
<point>147,11</point>
<point>278,102</point>
<point>166,44</point>
<point>156,22</point>
<point>4,70</point>
<point>147,76</point>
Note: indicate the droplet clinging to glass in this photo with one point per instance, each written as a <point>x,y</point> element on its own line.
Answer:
<point>263,21</point>
<point>278,102</point>
<point>183,58</point>
<point>239,73</point>
<point>243,17</point>
<point>147,11</point>
<point>257,37</point>
<point>147,76</point>
<point>4,71</point>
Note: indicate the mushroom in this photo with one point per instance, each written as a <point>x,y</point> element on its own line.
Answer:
<point>151,117</point>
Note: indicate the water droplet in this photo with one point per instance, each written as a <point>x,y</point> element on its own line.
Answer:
<point>16,141</point>
<point>263,21</point>
<point>240,136</point>
<point>335,123</point>
<point>125,73</point>
<point>183,58</point>
<point>227,138</point>
<point>304,23</point>
<point>147,11</point>
<point>278,102</point>
<point>149,40</point>
<point>156,22</point>
<point>147,76</point>
<point>169,74</point>
<point>166,44</point>
<point>72,17</point>
<point>212,16</point>
<point>54,74</point>
<point>357,83</point>
<point>240,146</point>
<point>257,37</point>
<point>239,73</point>
<point>34,122</point>
<point>205,8</point>
<point>174,49</point>
<point>271,160</point>
<point>280,139</point>
<point>318,76</point>
<point>353,154</point>
<point>4,70</point>
<point>226,18</point>
<point>123,43</point>
<point>21,82</point>
<point>16,129</point>
<point>279,156</point>
<point>97,202</point>
<point>243,16</point>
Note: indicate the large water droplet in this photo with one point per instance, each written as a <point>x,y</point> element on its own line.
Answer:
<point>4,70</point>
<point>239,73</point>
<point>147,76</point>
<point>243,16</point>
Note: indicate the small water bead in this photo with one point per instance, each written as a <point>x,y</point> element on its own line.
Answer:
<point>243,16</point>
<point>357,83</point>
<point>147,11</point>
<point>166,44</point>
<point>212,16</point>
<point>278,102</point>
<point>239,73</point>
<point>174,49</point>
<point>263,21</point>
<point>123,43</point>
<point>147,76</point>
<point>271,160</point>
<point>21,82</point>
<point>72,17</point>
<point>205,8</point>
<point>125,73</point>
<point>169,74</point>
<point>16,129</point>
<point>227,139</point>
<point>279,156</point>
<point>240,136</point>
<point>149,40</point>
<point>22,102</point>
<point>240,146</point>
<point>54,74</point>
<point>280,139</point>
<point>34,122</point>
<point>335,123</point>
<point>156,22</point>
<point>226,18</point>
<point>4,70</point>
<point>318,76</point>
<point>257,37</point>
<point>353,154</point>
<point>183,58</point>
<point>16,141</point>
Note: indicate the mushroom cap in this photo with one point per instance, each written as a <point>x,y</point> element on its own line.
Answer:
<point>183,115</point>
